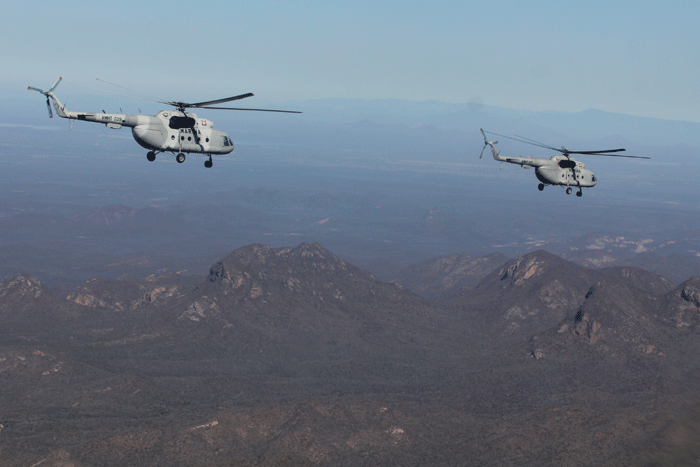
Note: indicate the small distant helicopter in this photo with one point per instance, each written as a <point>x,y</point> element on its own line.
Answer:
<point>175,132</point>
<point>564,170</point>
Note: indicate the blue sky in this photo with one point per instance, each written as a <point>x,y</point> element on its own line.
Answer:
<point>635,57</point>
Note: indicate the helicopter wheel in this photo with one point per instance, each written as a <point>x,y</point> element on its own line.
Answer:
<point>568,191</point>
<point>180,158</point>
<point>579,193</point>
<point>540,187</point>
<point>208,164</point>
<point>151,156</point>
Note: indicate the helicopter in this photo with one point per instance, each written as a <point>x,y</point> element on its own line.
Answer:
<point>173,131</point>
<point>560,170</point>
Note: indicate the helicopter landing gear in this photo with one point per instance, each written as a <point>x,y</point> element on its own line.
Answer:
<point>208,163</point>
<point>540,187</point>
<point>579,193</point>
<point>569,190</point>
<point>151,156</point>
<point>180,158</point>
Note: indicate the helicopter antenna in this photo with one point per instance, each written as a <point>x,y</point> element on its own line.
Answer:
<point>182,106</point>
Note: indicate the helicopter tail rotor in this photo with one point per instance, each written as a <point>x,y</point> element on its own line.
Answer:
<point>486,143</point>
<point>48,94</point>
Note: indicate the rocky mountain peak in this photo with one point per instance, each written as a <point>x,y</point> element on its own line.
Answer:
<point>690,291</point>
<point>264,263</point>
<point>22,285</point>
<point>615,318</point>
<point>681,306</point>
<point>529,266</point>
<point>26,304</point>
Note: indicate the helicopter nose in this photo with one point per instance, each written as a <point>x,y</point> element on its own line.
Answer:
<point>593,179</point>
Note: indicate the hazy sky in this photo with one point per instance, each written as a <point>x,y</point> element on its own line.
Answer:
<point>634,57</point>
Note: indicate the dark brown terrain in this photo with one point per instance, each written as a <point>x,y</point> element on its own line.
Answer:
<point>440,277</point>
<point>293,356</point>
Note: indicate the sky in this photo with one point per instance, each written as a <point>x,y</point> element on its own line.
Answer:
<point>631,57</point>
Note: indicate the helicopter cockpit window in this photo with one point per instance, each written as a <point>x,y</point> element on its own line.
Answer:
<point>226,142</point>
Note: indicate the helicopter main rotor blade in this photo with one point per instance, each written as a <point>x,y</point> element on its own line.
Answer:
<point>521,139</point>
<point>217,101</point>
<point>595,152</point>
<point>615,155</point>
<point>140,95</point>
<point>120,93</point>
<point>255,110</point>
<point>40,91</point>
<point>537,143</point>
<point>566,152</point>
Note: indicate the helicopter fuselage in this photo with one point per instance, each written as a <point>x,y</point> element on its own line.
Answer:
<point>168,131</point>
<point>565,171</point>
<point>558,170</point>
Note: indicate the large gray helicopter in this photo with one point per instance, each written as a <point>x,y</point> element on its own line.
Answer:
<point>174,131</point>
<point>563,170</point>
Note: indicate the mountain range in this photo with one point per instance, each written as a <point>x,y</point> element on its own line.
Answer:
<point>294,356</point>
